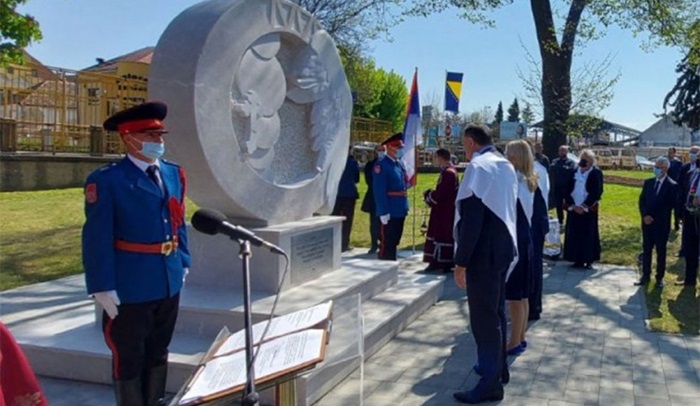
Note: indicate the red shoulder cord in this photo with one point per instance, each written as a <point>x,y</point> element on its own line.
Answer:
<point>177,209</point>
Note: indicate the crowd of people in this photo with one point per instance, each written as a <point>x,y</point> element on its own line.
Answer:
<point>490,228</point>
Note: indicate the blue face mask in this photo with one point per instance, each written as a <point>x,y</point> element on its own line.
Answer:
<point>400,153</point>
<point>153,150</point>
<point>657,172</point>
<point>381,154</point>
<point>693,157</point>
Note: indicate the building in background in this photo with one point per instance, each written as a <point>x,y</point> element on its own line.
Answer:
<point>664,133</point>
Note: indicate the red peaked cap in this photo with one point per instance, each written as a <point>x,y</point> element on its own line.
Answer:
<point>144,117</point>
<point>395,140</point>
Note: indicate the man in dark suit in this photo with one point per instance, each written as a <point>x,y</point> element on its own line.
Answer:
<point>561,173</point>
<point>674,172</point>
<point>368,205</point>
<point>656,202</point>
<point>347,197</point>
<point>684,178</point>
<point>691,220</point>
<point>540,156</point>
<point>486,254</point>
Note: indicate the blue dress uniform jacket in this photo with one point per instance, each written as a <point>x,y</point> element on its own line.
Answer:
<point>389,185</point>
<point>123,203</point>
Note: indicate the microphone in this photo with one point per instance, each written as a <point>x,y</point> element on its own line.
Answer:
<point>213,222</point>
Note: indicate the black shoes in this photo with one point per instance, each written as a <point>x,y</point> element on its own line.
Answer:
<point>641,282</point>
<point>683,283</point>
<point>505,374</point>
<point>644,281</point>
<point>477,396</point>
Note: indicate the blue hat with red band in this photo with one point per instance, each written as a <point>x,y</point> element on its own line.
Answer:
<point>144,117</point>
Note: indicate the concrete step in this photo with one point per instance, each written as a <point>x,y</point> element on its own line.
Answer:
<point>385,315</point>
<point>206,310</point>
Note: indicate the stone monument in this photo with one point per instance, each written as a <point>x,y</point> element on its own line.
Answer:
<point>259,115</point>
<point>259,108</point>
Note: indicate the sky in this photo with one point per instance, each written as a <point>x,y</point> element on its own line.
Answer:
<point>78,31</point>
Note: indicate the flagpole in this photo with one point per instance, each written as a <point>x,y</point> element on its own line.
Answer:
<point>415,173</point>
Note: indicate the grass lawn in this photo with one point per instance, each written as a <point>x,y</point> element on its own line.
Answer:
<point>630,174</point>
<point>40,240</point>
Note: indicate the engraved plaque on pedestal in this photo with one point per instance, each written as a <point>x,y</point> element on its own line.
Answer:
<point>312,255</point>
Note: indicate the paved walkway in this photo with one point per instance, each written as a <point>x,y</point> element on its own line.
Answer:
<point>590,348</point>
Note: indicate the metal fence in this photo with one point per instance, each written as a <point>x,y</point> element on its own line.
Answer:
<point>59,110</point>
<point>369,130</point>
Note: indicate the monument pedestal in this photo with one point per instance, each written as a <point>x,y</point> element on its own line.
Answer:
<point>313,246</point>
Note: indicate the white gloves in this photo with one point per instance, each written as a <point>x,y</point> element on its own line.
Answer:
<point>184,275</point>
<point>384,219</point>
<point>109,301</point>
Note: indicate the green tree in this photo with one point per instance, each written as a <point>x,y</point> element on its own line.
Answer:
<point>364,82</point>
<point>528,115</point>
<point>17,31</point>
<point>684,98</point>
<point>393,97</point>
<point>514,112</point>
<point>499,114</point>
<point>378,94</point>
<point>666,21</point>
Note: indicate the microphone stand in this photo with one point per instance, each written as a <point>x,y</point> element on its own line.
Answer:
<point>250,396</point>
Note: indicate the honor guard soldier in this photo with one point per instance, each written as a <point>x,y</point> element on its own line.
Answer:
<point>390,182</point>
<point>135,253</point>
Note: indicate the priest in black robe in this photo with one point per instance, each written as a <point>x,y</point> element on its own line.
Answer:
<point>582,244</point>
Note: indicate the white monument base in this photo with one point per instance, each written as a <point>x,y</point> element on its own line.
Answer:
<point>313,246</point>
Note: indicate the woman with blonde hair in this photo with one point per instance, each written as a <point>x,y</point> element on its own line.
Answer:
<point>582,243</point>
<point>519,153</point>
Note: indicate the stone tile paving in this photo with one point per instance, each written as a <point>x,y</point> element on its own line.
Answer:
<point>591,347</point>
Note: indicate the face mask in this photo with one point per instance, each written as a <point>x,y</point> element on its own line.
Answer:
<point>381,155</point>
<point>693,157</point>
<point>153,150</point>
<point>399,153</point>
<point>657,172</point>
<point>583,163</point>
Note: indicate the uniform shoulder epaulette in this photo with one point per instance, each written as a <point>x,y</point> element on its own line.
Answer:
<point>107,167</point>
<point>100,172</point>
<point>165,161</point>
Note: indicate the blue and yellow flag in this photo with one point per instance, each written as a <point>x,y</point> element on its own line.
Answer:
<point>453,90</point>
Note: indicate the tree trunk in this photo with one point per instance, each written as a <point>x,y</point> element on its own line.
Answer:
<point>556,97</point>
<point>556,69</point>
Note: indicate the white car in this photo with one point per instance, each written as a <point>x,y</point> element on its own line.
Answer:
<point>644,163</point>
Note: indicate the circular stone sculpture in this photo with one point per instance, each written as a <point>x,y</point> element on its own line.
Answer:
<point>258,108</point>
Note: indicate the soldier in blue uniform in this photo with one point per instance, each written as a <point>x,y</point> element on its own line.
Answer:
<point>389,186</point>
<point>135,253</point>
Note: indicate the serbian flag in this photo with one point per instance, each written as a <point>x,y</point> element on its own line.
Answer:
<point>453,91</point>
<point>412,134</point>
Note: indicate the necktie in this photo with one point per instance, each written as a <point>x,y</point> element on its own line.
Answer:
<point>152,172</point>
<point>657,186</point>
